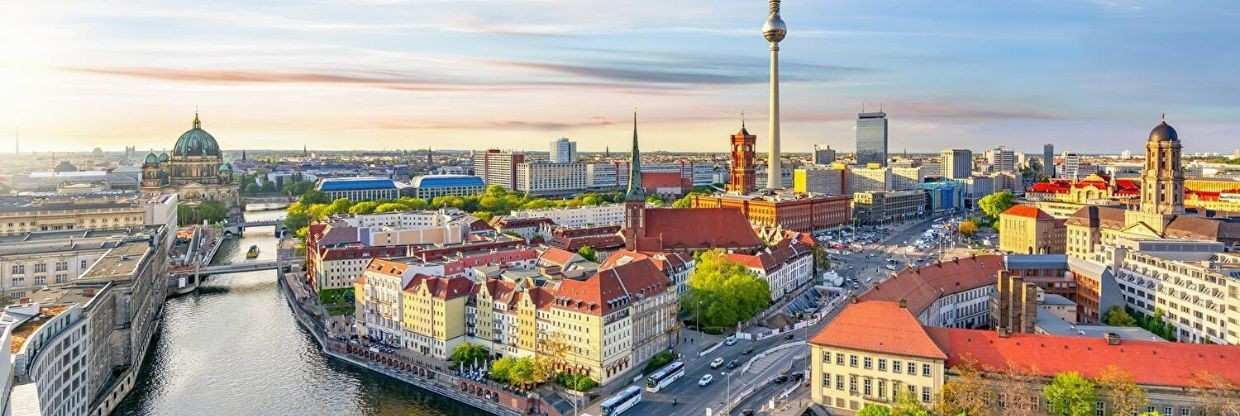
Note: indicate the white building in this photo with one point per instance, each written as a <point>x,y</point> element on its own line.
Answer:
<point>871,178</point>
<point>563,151</point>
<point>548,178</point>
<point>587,216</point>
<point>498,167</point>
<point>379,314</point>
<point>607,176</point>
<point>957,163</point>
<point>907,178</point>
<point>1001,159</point>
<point>785,267</point>
<point>1071,167</point>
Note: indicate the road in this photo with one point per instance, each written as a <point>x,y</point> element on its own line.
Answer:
<point>685,397</point>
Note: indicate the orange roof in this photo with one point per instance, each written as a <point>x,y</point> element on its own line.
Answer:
<point>556,256</point>
<point>920,287</point>
<point>1027,211</point>
<point>441,287</point>
<point>625,277</point>
<point>1150,363</point>
<point>388,267</point>
<point>878,326</point>
<point>697,228</point>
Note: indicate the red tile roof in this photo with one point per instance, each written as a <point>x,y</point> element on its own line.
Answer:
<point>441,287</point>
<point>654,180</point>
<point>625,277</point>
<point>556,256</point>
<point>1027,211</point>
<point>696,228</point>
<point>878,326</point>
<point>1149,363</point>
<point>920,287</point>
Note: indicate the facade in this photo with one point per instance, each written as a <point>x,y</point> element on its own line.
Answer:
<point>1091,190</point>
<point>431,186</point>
<point>195,171</point>
<point>855,354</point>
<point>1048,160</point>
<point>32,261</point>
<point>803,213</point>
<point>872,138</point>
<point>1072,166</point>
<point>957,163</point>
<point>366,188</point>
<point>869,178</point>
<point>786,267</point>
<point>828,180</point>
<point>607,176</point>
<point>907,178</point>
<point>550,178</point>
<point>580,217</point>
<point>743,178</point>
<point>1025,229</point>
<point>498,167</point>
<point>1220,195</point>
<point>824,155</point>
<point>1001,159</point>
<point>563,151</point>
<point>954,293</point>
<point>80,351</point>
<point>427,302</point>
<point>76,214</point>
<point>872,208</point>
<point>380,301</point>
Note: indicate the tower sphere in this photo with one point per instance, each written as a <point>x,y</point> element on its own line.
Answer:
<point>774,29</point>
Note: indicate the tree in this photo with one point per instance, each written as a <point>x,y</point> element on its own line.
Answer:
<point>1121,393</point>
<point>994,204</point>
<point>1220,396</point>
<point>907,405</point>
<point>723,293</point>
<point>522,374</point>
<point>468,354</point>
<point>501,369</point>
<point>588,253</point>
<point>364,207</point>
<point>314,196</point>
<point>1070,394</point>
<point>1117,316</point>
<point>871,409</point>
<point>968,228</point>
<point>966,394</point>
<point>390,207</point>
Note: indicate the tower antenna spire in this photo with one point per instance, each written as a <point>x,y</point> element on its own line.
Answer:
<point>742,120</point>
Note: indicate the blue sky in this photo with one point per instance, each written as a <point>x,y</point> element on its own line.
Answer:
<point>1088,76</point>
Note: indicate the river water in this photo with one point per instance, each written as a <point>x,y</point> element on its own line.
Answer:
<point>234,348</point>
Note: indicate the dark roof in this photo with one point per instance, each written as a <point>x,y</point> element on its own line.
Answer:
<point>1163,132</point>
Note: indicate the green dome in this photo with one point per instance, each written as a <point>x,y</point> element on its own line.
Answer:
<point>151,159</point>
<point>163,157</point>
<point>226,168</point>
<point>196,142</point>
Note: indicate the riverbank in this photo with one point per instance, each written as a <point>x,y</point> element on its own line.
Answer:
<point>480,395</point>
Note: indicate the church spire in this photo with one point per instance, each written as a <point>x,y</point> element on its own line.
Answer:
<point>635,191</point>
<point>197,123</point>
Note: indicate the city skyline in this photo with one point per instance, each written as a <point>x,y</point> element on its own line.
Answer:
<point>336,74</point>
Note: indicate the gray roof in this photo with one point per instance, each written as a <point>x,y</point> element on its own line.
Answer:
<point>1053,325</point>
<point>1037,261</point>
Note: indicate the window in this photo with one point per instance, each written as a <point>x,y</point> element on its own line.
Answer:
<point>882,364</point>
<point>912,368</point>
<point>852,360</point>
<point>40,280</point>
<point>925,394</point>
<point>40,267</point>
<point>869,363</point>
<point>62,266</point>
<point>925,370</point>
<point>826,380</point>
<point>1100,409</point>
<point>867,390</point>
<point>826,357</point>
<point>852,384</point>
<point>19,269</point>
<point>1167,411</point>
<point>839,359</point>
<point>896,366</point>
<point>1184,411</point>
<point>839,382</point>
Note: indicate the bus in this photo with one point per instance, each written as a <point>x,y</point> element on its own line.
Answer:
<point>622,401</point>
<point>665,376</point>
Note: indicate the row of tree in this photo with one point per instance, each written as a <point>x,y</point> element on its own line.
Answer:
<point>1119,316</point>
<point>210,211</point>
<point>525,372</point>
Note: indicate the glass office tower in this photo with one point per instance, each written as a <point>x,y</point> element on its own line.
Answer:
<point>872,138</point>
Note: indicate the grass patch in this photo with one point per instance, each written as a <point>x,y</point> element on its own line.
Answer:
<point>337,302</point>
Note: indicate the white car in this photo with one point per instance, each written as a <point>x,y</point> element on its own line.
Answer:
<point>730,341</point>
<point>705,380</point>
<point>716,363</point>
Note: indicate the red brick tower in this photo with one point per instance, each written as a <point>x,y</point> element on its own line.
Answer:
<point>743,178</point>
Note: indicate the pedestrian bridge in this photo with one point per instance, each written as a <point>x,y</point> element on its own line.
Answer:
<point>267,223</point>
<point>242,267</point>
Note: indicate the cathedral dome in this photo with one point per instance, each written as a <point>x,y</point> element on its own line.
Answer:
<point>196,142</point>
<point>163,157</point>
<point>225,168</point>
<point>151,159</point>
<point>1163,132</point>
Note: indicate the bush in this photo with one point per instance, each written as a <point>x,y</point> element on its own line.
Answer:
<point>658,361</point>
<point>576,382</point>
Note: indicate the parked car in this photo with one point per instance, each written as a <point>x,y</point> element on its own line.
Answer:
<point>705,380</point>
<point>730,341</point>
<point>716,363</point>
<point>781,379</point>
<point>748,351</point>
<point>732,364</point>
<point>789,336</point>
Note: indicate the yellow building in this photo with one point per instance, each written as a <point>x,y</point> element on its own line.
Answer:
<point>1025,229</point>
<point>434,314</point>
<point>71,215</point>
<point>1212,194</point>
<point>872,353</point>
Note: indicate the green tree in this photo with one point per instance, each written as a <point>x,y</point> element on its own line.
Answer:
<point>522,374</point>
<point>966,394</point>
<point>1070,394</point>
<point>390,207</point>
<point>1117,316</point>
<point>994,204</point>
<point>501,369</point>
<point>364,207</point>
<point>907,405</point>
<point>468,354</point>
<point>871,409</point>
<point>723,293</point>
<point>339,206</point>
<point>588,253</point>
<point>314,196</point>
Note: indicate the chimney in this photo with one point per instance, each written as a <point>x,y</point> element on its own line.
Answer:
<point>903,303</point>
<point>1112,338</point>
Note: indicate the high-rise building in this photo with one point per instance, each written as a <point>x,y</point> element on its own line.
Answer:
<point>774,31</point>
<point>563,151</point>
<point>551,178</point>
<point>824,155</point>
<point>1048,160</point>
<point>872,138</point>
<point>743,177</point>
<point>957,163</point>
<point>1001,159</point>
<point>1071,166</point>
<point>498,167</point>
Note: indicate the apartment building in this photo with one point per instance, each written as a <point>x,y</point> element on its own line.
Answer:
<point>498,167</point>
<point>872,208</point>
<point>432,312</point>
<point>786,266</point>
<point>379,294</point>
<point>829,180</point>
<point>869,178</point>
<point>34,261</point>
<point>550,178</point>
<point>907,178</point>
<point>1025,229</point>
<point>580,217</point>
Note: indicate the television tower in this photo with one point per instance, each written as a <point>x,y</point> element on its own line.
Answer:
<point>774,31</point>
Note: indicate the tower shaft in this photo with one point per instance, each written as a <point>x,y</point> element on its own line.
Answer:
<point>773,165</point>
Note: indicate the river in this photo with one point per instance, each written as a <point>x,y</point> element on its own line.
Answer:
<point>234,348</point>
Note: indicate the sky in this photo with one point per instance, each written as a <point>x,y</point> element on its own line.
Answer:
<point>1086,76</point>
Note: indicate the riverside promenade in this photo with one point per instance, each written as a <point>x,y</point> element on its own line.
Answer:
<point>483,395</point>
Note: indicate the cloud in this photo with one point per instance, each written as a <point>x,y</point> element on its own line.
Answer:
<point>494,124</point>
<point>625,74</point>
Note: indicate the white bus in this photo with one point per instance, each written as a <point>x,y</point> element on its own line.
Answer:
<point>622,401</point>
<point>665,376</point>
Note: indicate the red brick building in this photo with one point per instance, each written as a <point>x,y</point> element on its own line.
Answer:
<point>797,213</point>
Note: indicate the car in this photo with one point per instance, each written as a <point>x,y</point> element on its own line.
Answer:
<point>705,380</point>
<point>748,351</point>
<point>730,341</point>
<point>732,364</point>
<point>747,412</point>
<point>789,336</point>
<point>781,379</point>
<point>716,363</point>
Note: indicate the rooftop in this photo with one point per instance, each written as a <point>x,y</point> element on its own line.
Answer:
<point>356,183</point>
<point>878,326</point>
<point>445,181</point>
<point>119,263</point>
<point>920,287</point>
